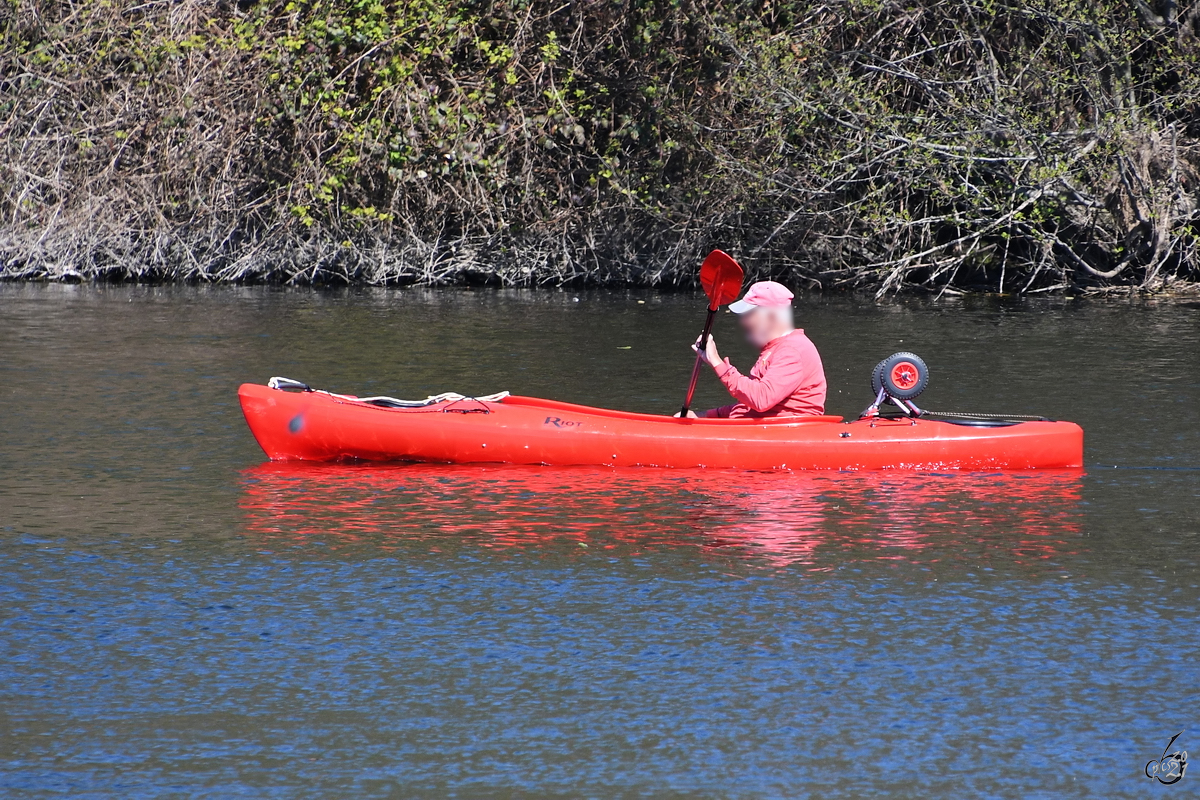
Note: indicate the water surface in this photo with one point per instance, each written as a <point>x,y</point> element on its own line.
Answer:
<point>179,618</point>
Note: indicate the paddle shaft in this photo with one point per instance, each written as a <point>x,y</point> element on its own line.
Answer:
<point>708,323</point>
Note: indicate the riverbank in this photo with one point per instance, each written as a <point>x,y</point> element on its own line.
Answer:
<point>629,277</point>
<point>871,146</point>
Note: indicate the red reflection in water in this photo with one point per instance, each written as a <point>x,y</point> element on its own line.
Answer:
<point>810,518</point>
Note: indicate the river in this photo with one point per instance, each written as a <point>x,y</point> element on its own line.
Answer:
<point>179,618</point>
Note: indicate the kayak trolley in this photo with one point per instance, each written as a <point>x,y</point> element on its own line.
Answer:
<point>898,379</point>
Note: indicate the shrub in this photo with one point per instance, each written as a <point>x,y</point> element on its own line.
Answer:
<point>1012,146</point>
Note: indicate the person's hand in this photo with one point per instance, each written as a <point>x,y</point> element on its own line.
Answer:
<point>710,355</point>
<point>690,415</point>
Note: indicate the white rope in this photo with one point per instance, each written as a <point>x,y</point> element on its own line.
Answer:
<point>432,400</point>
<point>383,400</point>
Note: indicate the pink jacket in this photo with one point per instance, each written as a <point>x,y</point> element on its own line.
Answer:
<point>787,380</point>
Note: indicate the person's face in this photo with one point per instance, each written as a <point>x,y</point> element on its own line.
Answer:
<point>758,326</point>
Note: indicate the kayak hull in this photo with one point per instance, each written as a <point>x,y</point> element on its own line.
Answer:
<point>318,426</point>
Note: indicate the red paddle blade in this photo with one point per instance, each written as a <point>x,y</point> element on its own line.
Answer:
<point>721,278</point>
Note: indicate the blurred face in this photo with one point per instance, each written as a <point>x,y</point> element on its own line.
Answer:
<point>764,324</point>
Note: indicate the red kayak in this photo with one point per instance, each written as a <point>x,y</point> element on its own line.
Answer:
<point>320,426</point>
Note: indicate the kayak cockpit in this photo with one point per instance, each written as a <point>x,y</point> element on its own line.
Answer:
<point>573,408</point>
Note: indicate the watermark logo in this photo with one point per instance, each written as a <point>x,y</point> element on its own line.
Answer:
<point>1170,767</point>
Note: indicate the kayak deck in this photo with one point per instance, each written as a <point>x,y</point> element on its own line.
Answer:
<point>318,426</point>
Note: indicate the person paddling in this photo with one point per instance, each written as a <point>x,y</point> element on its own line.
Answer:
<point>788,379</point>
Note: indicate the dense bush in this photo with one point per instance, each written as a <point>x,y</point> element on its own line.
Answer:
<point>1015,146</point>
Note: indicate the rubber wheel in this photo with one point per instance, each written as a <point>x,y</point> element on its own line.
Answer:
<point>903,375</point>
<point>877,378</point>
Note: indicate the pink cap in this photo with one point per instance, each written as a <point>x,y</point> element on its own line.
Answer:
<point>768,294</point>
